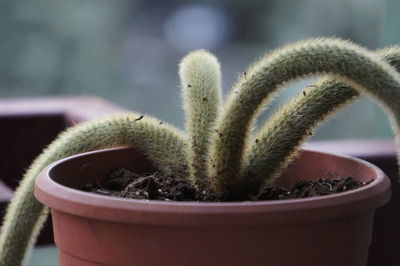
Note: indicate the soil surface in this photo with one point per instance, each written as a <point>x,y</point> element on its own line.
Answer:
<point>157,186</point>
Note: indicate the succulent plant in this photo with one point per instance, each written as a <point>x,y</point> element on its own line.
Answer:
<point>220,153</point>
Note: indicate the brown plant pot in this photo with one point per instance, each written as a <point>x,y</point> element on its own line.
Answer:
<point>92,229</point>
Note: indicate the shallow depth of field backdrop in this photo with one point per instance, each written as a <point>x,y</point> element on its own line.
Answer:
<point>127,51</point>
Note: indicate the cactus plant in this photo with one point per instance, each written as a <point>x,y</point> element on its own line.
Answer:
<point>219,154</point>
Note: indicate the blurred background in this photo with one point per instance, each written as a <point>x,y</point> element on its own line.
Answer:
<point>127,51</point>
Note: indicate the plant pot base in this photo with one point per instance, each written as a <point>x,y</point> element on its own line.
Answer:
<point>66,259</point>
<point>340,240</point>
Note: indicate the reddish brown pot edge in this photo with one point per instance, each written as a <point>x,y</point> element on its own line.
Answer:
<point>80,203</point>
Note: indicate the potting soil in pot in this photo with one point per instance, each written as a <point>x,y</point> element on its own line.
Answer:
<point>157,186</point>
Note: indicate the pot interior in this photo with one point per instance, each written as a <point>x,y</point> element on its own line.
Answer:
<point>314,165</point>
<point>96,166</point>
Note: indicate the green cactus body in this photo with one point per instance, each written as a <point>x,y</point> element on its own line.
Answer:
<point>200,76</point>
<point>162,144</point>
<point>276,143</point>
<point>345,61</point>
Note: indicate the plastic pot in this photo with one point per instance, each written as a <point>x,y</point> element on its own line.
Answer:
<point>92,229</point>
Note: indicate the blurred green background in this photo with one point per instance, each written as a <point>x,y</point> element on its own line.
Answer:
<point>127,51</point>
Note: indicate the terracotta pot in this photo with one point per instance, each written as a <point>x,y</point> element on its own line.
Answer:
<point>96,230</point>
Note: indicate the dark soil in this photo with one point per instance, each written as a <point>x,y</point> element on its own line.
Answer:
<point>156,186</point>
<point>304,189</point>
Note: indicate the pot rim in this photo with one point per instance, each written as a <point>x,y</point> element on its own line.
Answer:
<point>76,202</point>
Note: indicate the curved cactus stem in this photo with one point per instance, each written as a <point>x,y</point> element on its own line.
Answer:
<point>343,60</point>
<point>162,144</point>
<point>200,76</point>
<point>277,142</point>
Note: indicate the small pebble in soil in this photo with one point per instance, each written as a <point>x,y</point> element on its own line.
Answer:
<point>157,186</point>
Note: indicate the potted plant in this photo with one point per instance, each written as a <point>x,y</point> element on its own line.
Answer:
<point>218,157</point>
